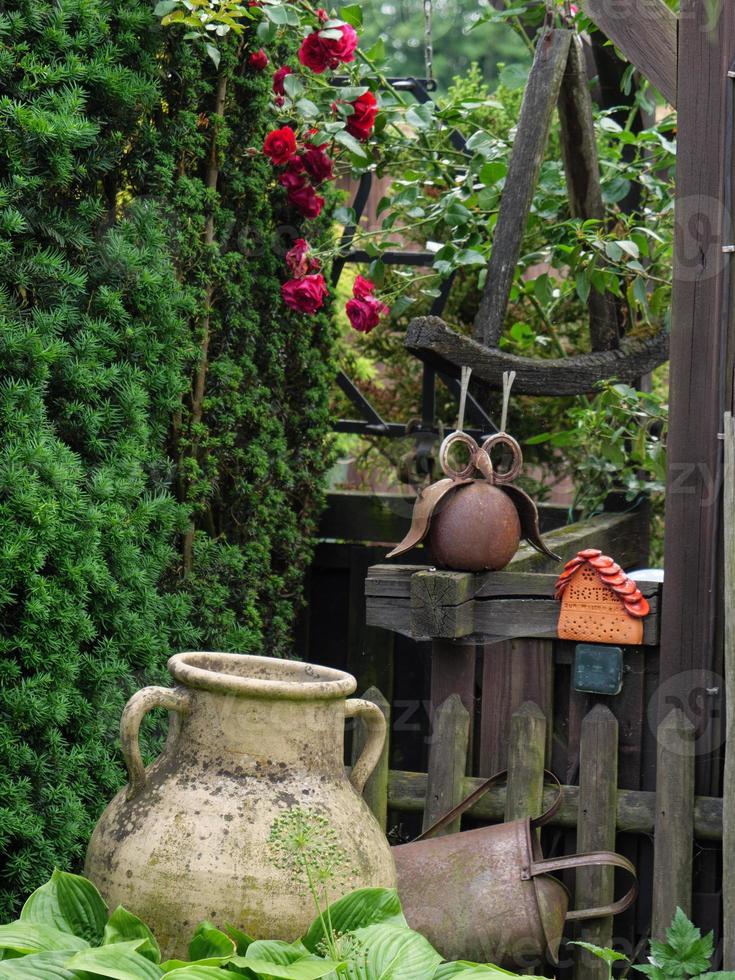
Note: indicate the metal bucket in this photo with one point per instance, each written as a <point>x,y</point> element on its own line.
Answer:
<point>487,894</point>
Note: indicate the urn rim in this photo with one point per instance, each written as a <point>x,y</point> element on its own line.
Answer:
<point>247,675</point>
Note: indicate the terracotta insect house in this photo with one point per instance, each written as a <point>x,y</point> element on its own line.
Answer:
<point>475,518</point>
<point>599,602</point>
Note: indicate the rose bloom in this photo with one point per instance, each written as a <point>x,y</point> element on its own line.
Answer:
<point>318,164</point>
<point>294,176</point>
<point>363,287</point>
<point>299,260</point>
<point>362,121</point>
<point>258,60</point>
<point>321,53</point>
<point>279,76</point>
<point>306,200</point>
<point>280,145</point>
<point>364,314</point>
<point>305,295</point>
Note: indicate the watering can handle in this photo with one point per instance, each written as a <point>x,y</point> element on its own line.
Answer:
<point>143,701</point>
<point>376,727</point>
<point>475,795</point>
<point>592,859</point>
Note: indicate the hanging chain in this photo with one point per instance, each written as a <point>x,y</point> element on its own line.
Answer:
<point>428,41</point>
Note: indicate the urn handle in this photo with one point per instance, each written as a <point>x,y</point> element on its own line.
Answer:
<point>369,757</point>
<point>139,705</point>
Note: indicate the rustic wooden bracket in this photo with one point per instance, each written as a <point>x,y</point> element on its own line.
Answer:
<point>646,32</point>
<point>431,339</point>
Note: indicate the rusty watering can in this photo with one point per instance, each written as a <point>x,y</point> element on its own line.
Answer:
<point>488,895</point>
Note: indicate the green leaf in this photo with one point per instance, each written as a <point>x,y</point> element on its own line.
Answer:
<point>293,86</point>
<point>513,76</point>
<point>69,903</point>
<point>164,7</point>
<point>350,143</point>
<point>282,15</point>
<point>241,939</point>
<point>171,966</point>
<point>685,951</point>
<point>209,941</point>
<point>391,952</point>
<point>195,972</point>
<point>469,256</point>
<point>463,970</point>
<point>352,14</point>
<point>307,968</point>
<point>214,54</point>
<point>492,172</point>
<point>421,116</point>
<point>123,926</point>
<point>32,937</point>
<point>603,953</point>
<point>38,966</point>
<point>121,961</point>
<point>362,907</point>
<point>377,51</point>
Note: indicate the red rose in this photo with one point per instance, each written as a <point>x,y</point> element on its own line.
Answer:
<point>363,287</point>
<point>305,295</point>
<point>279,76</point>
<point>364,314</point>
<point>321,53</point>
<point>280,145</point>
<point>362,121</point>
<point>306,200</point>
<point>293,176</point>
<point>299,260</point>
<point>322,14</point>
<point>258,60</point>
<point>318,165</point>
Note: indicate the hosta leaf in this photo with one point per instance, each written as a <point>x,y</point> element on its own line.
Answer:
<point>307,968</point>
<point>195,972</point>
<point>120,961</point>
<point>210,941</point>
<point>462,970</point>
<point>239,938</point>
<point>392,953</point>
<point>31,937</point>
<point>69,903</point>
<point>38,966</point>
<point>363,907</point>
<point>123,926</point>
<point>169,966</point>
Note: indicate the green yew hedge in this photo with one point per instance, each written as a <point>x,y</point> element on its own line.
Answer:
<point>136,518</point>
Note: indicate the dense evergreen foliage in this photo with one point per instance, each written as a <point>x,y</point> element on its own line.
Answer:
<point>106,277</point>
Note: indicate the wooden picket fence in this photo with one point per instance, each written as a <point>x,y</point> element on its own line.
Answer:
<point>596,809</point>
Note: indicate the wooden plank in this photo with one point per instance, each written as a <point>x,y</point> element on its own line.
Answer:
<point>441,603</point>
<point>375,793</point>
<point>513,672</point>
<point>598,773</point>
<point>447,762</point>
<point>728,793</point>
<point>701,367</point>
<point>636,810</point>
<point>529,146</point>
<point>646,33</point>
<point>674,828</point>
<point>355,515</point>
<point>429,338</point>
<point>578,143</point>
<point>526,756</point>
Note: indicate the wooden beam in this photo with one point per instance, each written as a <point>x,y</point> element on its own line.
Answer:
<point>431,339</point>
<point>578,143</point>
<point>701,369</point>
<point>636,809</point>
<point>645,31</point>
<point>529,146</point>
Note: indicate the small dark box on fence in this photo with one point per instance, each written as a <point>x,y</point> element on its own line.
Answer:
<point>598,668</point>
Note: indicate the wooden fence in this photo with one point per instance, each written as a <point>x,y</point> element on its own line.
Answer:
<point>596,808</point>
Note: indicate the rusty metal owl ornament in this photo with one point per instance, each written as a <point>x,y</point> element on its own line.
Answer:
<point>474,520</point>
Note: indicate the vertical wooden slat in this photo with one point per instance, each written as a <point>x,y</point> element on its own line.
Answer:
<point>526,754</point>
<point>369,649</point>
<point>453,668</point>
<point>728,793</point>
<point>513,672</point>
<point>598,794</point>
<point>447,762</point>
<point>375,793</point>
<point>674,830</point>
<point>701,362</point>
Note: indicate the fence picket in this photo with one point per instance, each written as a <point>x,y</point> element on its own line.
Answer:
<point>598,777</point>
<point>526,755</point>
<point>447,762</point>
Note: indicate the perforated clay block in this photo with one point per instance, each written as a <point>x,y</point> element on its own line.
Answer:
<point>591,612</point>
